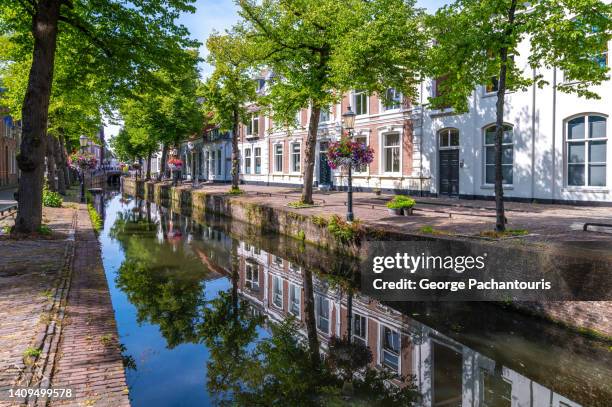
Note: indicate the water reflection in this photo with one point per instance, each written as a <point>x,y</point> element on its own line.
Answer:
<point>281,332</point>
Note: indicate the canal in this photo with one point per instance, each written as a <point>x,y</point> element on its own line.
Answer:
<point>210,312</point>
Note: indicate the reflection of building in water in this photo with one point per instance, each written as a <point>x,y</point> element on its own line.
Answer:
<point>446,372</point>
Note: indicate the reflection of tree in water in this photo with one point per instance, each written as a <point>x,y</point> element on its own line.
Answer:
<point>286,369</point>
<point>165,283</point>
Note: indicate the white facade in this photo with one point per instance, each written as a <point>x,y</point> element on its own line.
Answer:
<point>561,143</point>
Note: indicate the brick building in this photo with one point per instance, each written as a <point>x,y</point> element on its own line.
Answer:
<point>10,136</point>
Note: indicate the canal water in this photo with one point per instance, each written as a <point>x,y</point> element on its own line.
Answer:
<point>211,312</point>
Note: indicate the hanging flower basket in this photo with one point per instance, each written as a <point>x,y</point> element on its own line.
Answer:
<point>175,164</point>
<point>83,161</point>
<point>347,152</point>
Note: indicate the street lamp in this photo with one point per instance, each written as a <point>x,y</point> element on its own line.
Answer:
<point>194,179</point>
<point>348,118</point>
<point>83,143</point>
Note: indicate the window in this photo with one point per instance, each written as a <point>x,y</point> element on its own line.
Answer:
<point>360,328</point>
<point>207,155</point>
<point>507,155</point>
<point>247,161</point>
<point>278,158</point>
<point>360,101</point>
<point>587,146</point>
<point>449,138</point>
<point>252,128</point>
<point>324,115</point>
<point>493,85</point>
<point>390,348</point>
<point>261,83</point>
<point>362,140</point>
<point>322,313</point>
<point>255,126</point>
<point>391,152</point>
<point>295,300</point>
<point>257,160</point>
<point>219,162</point>
<point>294,267</point>
<point>277,291</point>
<point>295,157</point>
<point>277,260</point>
<point>213,162</point>
<point>252,276</point>
<point>393,100</point>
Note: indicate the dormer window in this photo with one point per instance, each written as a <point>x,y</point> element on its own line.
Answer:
<point>360,101</point>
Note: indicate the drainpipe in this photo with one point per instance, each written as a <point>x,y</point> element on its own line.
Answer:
<point>554,136</point>
<point>533,136</point>
<point>421,142</point>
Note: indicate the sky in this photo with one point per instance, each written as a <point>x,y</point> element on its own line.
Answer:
<point>220,15</point>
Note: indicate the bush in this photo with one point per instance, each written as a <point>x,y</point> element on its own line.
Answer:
<point>401,202</point>
<point>52,199</point>
<point>345,232</point>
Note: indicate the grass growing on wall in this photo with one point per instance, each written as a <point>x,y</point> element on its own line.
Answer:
<point>94,216</point>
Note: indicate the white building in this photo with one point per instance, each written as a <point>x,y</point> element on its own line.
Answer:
<point>556,146</point>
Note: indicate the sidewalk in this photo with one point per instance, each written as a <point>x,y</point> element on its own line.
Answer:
<point>560,225</point>
<point>57,325</point>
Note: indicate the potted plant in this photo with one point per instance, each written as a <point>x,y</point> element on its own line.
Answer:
<point>377,189</point>
<point>401,205</point>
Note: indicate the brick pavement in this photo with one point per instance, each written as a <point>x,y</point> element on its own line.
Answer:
<point>54,298</point>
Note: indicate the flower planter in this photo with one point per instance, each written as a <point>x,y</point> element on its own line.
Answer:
<point>395,211</point>
<point>407,211</point>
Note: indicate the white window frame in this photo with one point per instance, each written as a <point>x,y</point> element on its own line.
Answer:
<point>256,158</point>
<point>328,119</point>
<point>383,151</point>
<point>361,93</point>
<point>317,298</point>
<point>219,162</point>
<point>382,350</point>
<point>276,157</point>
<point>366,136</point>
<point>585,141</point>
<point>384,108</point>
<point>250,282</point>
<point>364,339</point>
<point>292,161</point>
<point>484,154</point>
<point>279,281</point>
<point>448,131</point>
<point>247,160</point>
<point>293,289</point>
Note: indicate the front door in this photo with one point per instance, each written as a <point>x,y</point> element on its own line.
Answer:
<point>449,172</point>
<point>324,170</point>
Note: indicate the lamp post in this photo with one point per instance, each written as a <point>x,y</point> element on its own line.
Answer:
<point>83,143</point>
<point>349,124</point>
<point>194,178</point>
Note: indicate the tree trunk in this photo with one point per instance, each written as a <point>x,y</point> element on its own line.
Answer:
<point>235,151</point>
<point>164,158</point>
<point>35,113</point>
<point>148,176</point>
<point>500,215</point>
<point>310,318</point>
<point>61,166</point>
<point>51,173</point>
<point>309,154</point>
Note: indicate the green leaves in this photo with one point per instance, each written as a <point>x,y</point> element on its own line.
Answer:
<point>319,49</point>
<point>469,36</point>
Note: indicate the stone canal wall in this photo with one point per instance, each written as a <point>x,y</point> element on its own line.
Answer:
<point>588,317</point>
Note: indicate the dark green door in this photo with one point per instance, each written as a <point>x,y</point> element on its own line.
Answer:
<point>324,170</point>
<point>449,172</point>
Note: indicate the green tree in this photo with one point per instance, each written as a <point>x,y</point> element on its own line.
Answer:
<point>477,40</point>
<point>319,49</point>
<point>230,88</point>
<point>125,41</point>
